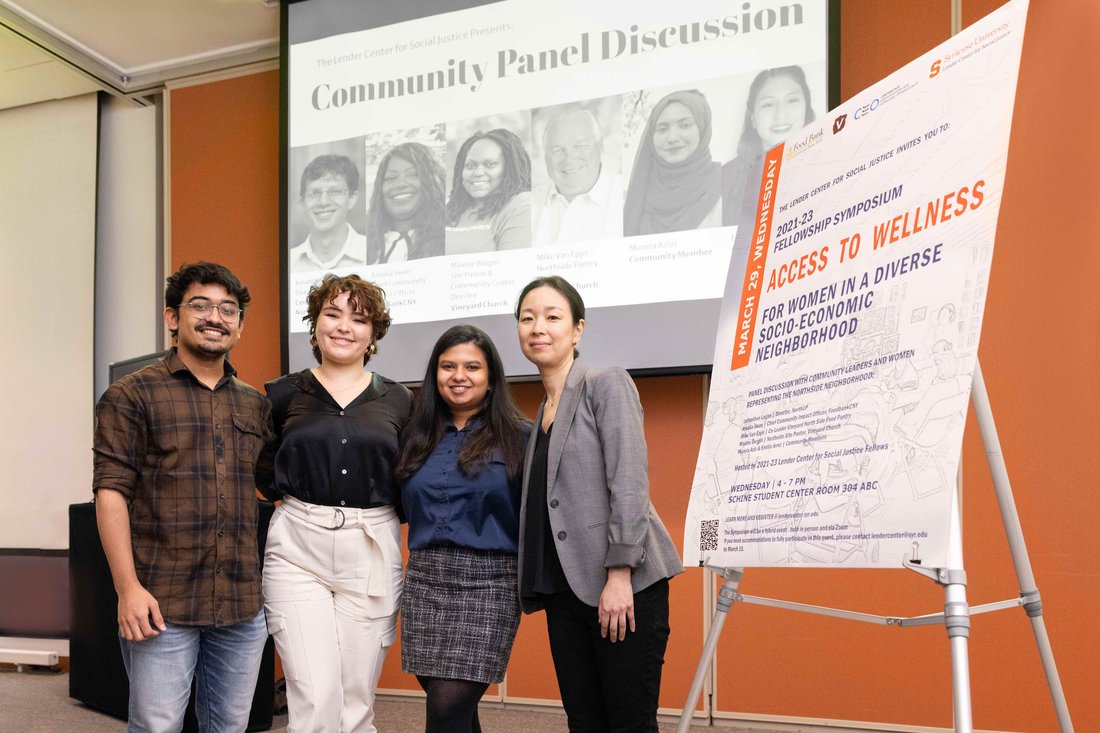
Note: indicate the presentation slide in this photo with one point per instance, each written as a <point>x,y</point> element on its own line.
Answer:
<point>850,321</point>
<point>452,158</point>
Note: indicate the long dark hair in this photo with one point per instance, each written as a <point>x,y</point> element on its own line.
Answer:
<point>428,218</point>
<point>516,178</point>
<point>501,432</point>
<point>751,145</point>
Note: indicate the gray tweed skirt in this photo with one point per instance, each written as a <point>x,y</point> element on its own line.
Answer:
<point>459,613</point>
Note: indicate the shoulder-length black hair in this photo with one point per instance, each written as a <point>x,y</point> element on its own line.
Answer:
<point>503,428</point>
<point>428,218</point>
<point>517,176</point>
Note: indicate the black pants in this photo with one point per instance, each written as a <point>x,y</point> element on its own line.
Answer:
<point>605,687</point>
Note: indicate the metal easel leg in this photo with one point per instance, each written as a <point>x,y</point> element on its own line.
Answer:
<point>727,594</point>
<point>956,614</point>
<point>1029,592</point>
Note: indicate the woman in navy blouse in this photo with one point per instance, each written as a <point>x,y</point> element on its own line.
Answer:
<point>332,565</point>
<point>460,465</point>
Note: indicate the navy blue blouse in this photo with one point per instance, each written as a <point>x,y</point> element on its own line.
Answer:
<point>445,507</point>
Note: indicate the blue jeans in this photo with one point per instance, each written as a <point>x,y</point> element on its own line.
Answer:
<point>224,662</point>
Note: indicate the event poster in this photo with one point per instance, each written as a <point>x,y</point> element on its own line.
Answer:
<point>850,322</point>
<point>425,87</point>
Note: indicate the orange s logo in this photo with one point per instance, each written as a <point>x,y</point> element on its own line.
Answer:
<point>934,70</point>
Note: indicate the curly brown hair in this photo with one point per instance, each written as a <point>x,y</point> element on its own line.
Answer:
<point>363,296</point>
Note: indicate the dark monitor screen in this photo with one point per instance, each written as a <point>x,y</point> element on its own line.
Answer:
<point>119,369</point>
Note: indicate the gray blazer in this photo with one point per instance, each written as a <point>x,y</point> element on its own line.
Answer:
<point>597,487</point>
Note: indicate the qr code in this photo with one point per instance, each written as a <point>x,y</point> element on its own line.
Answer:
<point>708,534</point>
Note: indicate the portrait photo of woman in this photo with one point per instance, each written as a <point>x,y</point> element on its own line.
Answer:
<point>675,182</point>
<point>490,202</point>
<point>778,104</point>
<point>406,219</point>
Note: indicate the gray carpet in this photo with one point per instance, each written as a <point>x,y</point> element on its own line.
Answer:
<point>38,702</point>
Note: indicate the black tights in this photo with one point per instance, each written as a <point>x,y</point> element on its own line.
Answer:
<point>452,705</point>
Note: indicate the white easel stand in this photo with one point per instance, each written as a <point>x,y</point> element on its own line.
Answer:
<point>1025,579</point>
<point>956,613</point>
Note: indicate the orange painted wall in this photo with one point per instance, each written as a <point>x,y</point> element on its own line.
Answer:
<point>223,160</point>
<point>1040,351</point>
<point>878,37</point>
<point>1040,359</point>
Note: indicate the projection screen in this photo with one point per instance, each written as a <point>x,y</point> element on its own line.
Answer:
<point>451,157</point>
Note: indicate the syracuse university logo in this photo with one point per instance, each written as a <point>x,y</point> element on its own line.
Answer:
<point>838,123</point>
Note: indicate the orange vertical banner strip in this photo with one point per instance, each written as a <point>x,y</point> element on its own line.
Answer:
<point>758,257</point>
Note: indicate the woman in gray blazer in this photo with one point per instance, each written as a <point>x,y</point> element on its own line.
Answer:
<point>592,551</point>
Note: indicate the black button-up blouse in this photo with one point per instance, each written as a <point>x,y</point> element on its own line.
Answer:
<point>328,455</point>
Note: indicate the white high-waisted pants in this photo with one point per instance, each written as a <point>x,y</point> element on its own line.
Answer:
<point>332,588</point>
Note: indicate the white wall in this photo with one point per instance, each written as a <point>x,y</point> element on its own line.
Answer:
<point>129,290</point>
<point>47,251</point>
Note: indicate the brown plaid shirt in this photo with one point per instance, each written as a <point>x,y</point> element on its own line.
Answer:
<point>184,457</point>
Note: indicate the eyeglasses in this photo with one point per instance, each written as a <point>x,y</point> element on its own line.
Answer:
<point>334,194</point>
<point>203,308</point>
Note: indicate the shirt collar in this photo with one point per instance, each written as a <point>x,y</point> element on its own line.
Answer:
<point>598,194</point>
<point>176,366</point>
<point>308,383</point>
<point>345,251</point>
<point>392,234</point>
<point>472,424</point>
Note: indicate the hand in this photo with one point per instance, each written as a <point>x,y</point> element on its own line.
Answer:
<point>616,610</point>
<point>135,607</point>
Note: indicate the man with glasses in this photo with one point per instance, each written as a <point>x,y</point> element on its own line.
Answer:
<point>329,190</point>
<point>175,452</point>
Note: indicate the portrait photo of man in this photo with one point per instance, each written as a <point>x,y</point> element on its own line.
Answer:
<point>581,197</point>
<point>328,194</point>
